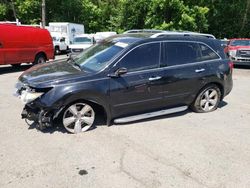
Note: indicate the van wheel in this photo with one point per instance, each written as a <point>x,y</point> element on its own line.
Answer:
<point>78,117</point>
<point>40,58</point>
<point>57,50</point>
<point>207,100</point>
<point>16,65</point>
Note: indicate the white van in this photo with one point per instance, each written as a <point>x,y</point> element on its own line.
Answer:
<point>81,42</point>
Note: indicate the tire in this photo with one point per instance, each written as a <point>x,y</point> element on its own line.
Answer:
<point>207,100</point>
<point>40,58</point>
<point>78,117</point>
<point>57,50</point>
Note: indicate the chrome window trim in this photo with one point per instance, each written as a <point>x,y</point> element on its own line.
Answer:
<point>164,41</point>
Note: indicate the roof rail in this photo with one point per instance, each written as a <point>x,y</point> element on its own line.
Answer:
<point>181,33</point>
<point>143,31</point>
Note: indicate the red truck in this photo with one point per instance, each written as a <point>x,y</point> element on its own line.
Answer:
<point>238,51</point>
<point>24,44</point>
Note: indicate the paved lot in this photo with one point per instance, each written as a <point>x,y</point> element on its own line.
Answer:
<point>182,150</point>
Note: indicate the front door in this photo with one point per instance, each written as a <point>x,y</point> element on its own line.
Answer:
<point>140,89</point>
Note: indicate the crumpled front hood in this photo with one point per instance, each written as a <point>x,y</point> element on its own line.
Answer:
<point>50,73</point>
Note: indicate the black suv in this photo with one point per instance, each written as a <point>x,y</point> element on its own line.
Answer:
<point>130,77</point>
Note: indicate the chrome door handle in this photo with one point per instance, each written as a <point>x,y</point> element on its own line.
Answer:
<point>154,78</point>
<point>199,70</point>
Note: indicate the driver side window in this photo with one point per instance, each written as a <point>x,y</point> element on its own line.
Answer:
<point>144,57</point>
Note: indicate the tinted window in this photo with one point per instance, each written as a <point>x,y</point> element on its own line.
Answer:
<point>207,53</point>
<point>98,56</point>
<point>178,53</point>
<point>240,43</point>
<point>142,58</point>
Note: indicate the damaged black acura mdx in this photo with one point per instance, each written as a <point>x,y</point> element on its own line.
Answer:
<point>130,77</point>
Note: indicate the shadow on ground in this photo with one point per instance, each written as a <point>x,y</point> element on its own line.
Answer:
<point>241,67</point>
<point>11,69</point>
<point>101,121</point>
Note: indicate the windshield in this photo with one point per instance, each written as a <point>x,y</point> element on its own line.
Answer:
<point>80,40</point>
<point>98,56</point>
<point>240,43</point>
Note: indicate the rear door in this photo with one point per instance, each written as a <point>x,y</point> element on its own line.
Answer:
<point>140,89</point>
<point>184,73</point>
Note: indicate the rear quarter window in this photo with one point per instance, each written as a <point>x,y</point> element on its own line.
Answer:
<point>207,53</point>
<point>179,53</point>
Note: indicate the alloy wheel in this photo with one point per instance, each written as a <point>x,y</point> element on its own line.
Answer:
<point>209,99</point>
<point>78,117</point>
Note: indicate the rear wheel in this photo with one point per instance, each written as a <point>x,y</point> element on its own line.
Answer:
<point>78,117</point>
<point>40,58</point>
<point>207,100</point>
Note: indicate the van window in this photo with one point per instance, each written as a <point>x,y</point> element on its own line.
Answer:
<point>144,57</point>
<point>207,53</point>
<point>179,53</point>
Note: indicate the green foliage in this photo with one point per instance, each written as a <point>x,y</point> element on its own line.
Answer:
<point>222,18</point>
<point>3,11</point>
<point>175,15</point>
<point>28,11</point>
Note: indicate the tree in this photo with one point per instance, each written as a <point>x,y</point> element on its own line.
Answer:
<point>175,15</point>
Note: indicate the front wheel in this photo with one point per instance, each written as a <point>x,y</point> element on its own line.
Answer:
<point>57,50</point>
<point>207,100</point>
<point>78,117</point>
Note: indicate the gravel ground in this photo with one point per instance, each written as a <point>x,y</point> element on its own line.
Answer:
<point>181,150</point>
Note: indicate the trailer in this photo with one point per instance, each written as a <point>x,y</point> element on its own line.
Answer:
<point>66,30</point>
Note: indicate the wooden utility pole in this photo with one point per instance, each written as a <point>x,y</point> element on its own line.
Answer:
<point>43,14</point>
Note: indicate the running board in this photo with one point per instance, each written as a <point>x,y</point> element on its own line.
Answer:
<point>150,115</point>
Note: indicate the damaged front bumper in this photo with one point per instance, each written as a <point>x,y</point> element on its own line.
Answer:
<point>41,118</point>
<point>34,111</point>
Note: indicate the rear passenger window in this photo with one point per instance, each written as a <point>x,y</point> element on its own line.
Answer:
<point>179,53</point>
<point>142,58</point>
<point>207,53</point>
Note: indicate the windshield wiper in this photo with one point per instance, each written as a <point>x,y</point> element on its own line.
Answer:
<point>72,60</point>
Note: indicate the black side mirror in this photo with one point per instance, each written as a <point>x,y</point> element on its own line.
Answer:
<point>118,72</point>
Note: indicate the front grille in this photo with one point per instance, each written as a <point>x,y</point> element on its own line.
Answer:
<point>243,53</point>
<point>76,50</point>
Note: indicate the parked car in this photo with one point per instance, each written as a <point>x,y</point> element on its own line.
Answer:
<point>130,77</point>
<point>24,44</point>
<point>81,43</point>
<point>238,51</point>
<point>224,42</point>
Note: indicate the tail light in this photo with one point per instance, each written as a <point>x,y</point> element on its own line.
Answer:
<point>231,65</point>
